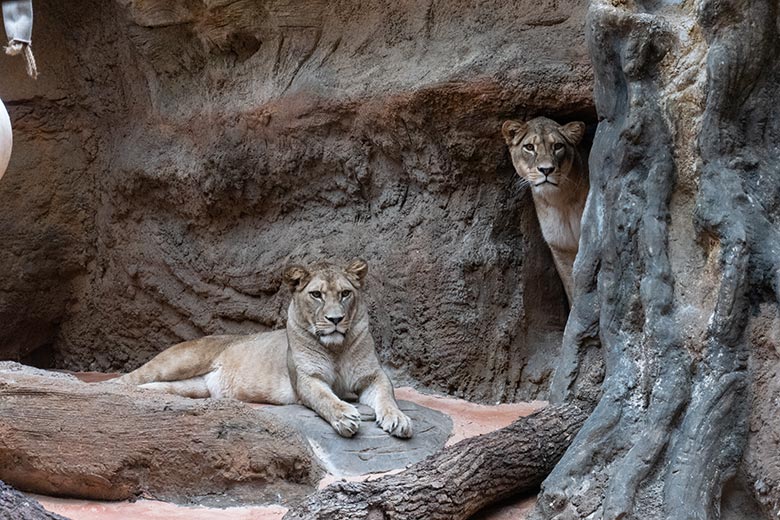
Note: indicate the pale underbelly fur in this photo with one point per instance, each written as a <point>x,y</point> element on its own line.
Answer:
<point>561,231</point>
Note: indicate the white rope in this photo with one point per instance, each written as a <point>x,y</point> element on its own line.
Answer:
<point>18,21</point>
<point>15,48</point>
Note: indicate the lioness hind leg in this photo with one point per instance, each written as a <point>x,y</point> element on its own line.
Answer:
<point>194,387</point>
<point>379,396</point>
<point>180,362</point>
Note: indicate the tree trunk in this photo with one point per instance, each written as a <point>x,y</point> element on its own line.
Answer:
<point>105,441</point>
<point>16,506</point>
<point>461,479</point>
<point>680,239</point>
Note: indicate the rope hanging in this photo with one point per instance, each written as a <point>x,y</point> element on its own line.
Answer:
<point>15,48</point>
<point>18,21</point>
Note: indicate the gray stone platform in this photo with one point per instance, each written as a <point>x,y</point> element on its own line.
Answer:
<point>371,450</point>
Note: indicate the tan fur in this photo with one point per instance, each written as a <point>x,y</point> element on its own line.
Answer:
<point>326,354</point>
<point>545,155</point>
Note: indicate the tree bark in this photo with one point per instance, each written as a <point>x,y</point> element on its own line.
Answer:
<point>16,506</point>
<point>106,441</point>
<point>682,240</point>
<point>461,479</point>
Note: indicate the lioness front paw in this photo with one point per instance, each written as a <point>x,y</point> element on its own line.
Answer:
<point>347,422</point>
<point>396,423</point>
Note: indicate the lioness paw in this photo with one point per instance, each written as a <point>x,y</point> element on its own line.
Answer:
<point>396,423</point>
<point>348,422</point>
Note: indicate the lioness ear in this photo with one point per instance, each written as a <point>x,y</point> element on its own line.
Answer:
<point>296,277</point>
<point>356,271</point>
<point>513,130</point>
<point>574,131</point>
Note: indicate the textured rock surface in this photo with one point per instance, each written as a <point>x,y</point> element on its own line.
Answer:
<point>173,156</point>
<point>455,483</point>
<point>17,506</point>
<point>678,268</point>
<point>761,464</point>
<point>469,420</point>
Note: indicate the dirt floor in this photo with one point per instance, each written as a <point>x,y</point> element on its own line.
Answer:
<point>469,420</point>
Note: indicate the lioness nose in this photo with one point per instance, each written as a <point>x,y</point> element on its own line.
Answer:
<point>335,319</point>
<point>546,170</point>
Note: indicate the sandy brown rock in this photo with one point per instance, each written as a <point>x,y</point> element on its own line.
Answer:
<point>59,436</point>
<point>173,157</point>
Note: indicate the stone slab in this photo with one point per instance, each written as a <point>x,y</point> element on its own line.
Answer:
<point>371,450</point>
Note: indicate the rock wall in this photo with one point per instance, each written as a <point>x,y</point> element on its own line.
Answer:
<point>173,156</point>
<point>761,464</point>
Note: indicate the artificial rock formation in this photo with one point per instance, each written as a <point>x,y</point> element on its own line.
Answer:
<point>173,156</point>
<point>673,333</point>
<point>17,506</point>
<point>679,257</point>
<point>371,450</point>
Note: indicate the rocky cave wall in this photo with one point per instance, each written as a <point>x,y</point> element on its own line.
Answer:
<point>174,156</point>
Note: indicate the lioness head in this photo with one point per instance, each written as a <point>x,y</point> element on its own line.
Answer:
<point>327,297</point>
<point>543,152</point>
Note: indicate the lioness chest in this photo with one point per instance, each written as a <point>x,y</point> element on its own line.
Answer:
<point>561,226</point>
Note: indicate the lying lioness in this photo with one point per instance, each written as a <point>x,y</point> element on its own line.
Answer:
<point>325,354</point>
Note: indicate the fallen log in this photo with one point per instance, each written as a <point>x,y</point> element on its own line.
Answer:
<point>17,506</point>
<point>63,437</point>
<point>458,481</point>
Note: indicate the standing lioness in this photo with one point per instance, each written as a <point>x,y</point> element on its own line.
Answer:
<point>325,354</point>
<point>545,154</point>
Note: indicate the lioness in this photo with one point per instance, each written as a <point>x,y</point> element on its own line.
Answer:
<point>325,354</point>
<point>545,155</point>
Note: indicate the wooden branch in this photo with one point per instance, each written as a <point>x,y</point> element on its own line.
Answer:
<point>459,480</point>
<point>59,436</point>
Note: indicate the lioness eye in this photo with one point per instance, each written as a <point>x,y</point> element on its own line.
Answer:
<point>316,294</point>
<point>558,146</point>
<point>529,147</point>
<point>346,294</point>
